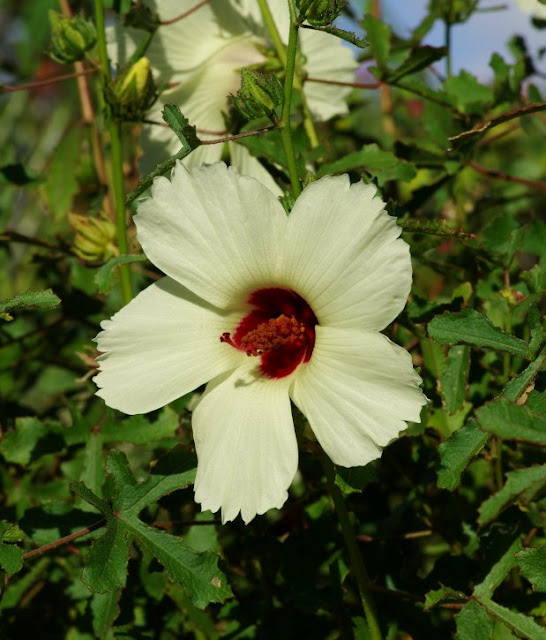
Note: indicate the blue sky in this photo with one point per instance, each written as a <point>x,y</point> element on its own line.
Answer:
<point>474,41</point>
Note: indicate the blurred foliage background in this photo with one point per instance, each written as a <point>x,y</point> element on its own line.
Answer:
<point>450,521</point>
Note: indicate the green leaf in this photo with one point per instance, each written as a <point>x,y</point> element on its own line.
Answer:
<point>454,378</point>
<point>418,59</point>
<point>383,165</point>
<point>473,623</point>
<point>106,563</point>
<point>93,462</point>
<point>512,421</point>
<point>140,430</point>
<point>45,299</point>
<point>181,127</point>
<point>439,595</point>
<point>378,35</point>
<point>197,572</point>
<point>105,610</point>
<point>456,453</point>
<point>471,327</point>
<point>137,429</point>
<point>521,485</point>
<point>498,571</point>
<point>469,95</point>
<point>503,235</point>
<point>536,402</point>
<point>355,479</point>
<point>89,496</point>
<point>198,621</point>
<point>11,556</point>
<point>30,439</point>
<point>131,497</point>
<point>16,590</point>
<point>104,278</point>
<point>523,625</point>
<point>517,386</point>
<point>438,122</point>
<point>532,564</point>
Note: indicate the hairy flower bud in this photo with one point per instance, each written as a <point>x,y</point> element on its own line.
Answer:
<point>133,91</point>
<point>93,237</point>
<point>321,13</point>
<point>70,37</point>
<point>259,95</point>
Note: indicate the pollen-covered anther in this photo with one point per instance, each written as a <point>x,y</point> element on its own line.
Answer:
<point>273,334</point>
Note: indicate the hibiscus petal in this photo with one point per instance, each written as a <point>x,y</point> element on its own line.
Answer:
<point>357,391</point>
<point>327,59</point>
<point>246,444</point>
<point>214,231</point>
<point>163,344</point>
<point>248,165</point>
<point>345,257</point>
<point>178,48</point>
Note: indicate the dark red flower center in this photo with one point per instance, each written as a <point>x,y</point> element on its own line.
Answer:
<point>280,330</point>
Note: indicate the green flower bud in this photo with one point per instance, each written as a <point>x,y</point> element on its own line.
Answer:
<point>133,91</point>
<point>321,13</point>
<point>259,95</point>
<point>70,37</point>
<point>94,238</point>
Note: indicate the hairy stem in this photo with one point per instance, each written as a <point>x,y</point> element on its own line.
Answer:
<point>286,131</point>
<point>116,157</point>
<point>355,558</point>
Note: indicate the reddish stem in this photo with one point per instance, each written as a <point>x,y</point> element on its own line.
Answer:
<point>65,540</point>
<point>48,81</point>
<point>185,14</point>
<point>356,85</point>
<point>500,175</point>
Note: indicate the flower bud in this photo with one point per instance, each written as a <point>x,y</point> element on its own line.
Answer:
<point>93,237</point>
<point>321,13</point>
<point>259,95</point>
<point>133,91</point>
<point>70,37</point>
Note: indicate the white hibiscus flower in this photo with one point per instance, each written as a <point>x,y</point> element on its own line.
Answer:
<point>266,308</point>
<point>200,57</point>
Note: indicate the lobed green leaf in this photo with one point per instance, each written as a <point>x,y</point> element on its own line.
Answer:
<point>104,278</point>
<point>522,485</point>
<point>532,564</point>
<point>473,328</point>
<point>524,626</point>
<point>456,453</point>
<point>45,299</point>
<point>512,422</point>
<point>498,571</point>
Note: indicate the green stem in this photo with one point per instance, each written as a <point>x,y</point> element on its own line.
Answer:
<point>117,182</point>
<point>286,131</point>
<point>273,31</point>
<point>118,187</point>
<point>281,53</point>
<point>355,558</point>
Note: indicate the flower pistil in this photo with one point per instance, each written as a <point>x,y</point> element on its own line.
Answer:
<point>280,329</point>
